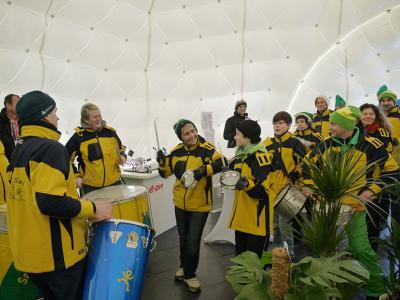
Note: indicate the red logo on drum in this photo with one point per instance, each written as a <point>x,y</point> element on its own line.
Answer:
<point>156,188</point>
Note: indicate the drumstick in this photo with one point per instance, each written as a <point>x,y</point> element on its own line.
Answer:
<point>155,129</point>
<point>223,158</point>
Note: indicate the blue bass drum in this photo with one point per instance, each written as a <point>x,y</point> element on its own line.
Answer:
<point>118,255</point>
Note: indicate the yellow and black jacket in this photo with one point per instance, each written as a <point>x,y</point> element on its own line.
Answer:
<point>394,119</point>
<point>98,155</point>
<point>308,138</point>
<point>368,150</point>
<point>45,217</point>
<point>251,208</point>
<point>287,152</point>
<point>4,181</point>
<point>184,158</point>
<point>320,122</point>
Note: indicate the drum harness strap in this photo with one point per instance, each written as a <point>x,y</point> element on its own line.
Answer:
<point>280,160</point>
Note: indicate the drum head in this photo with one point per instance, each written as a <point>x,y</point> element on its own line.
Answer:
<point>117,193</point>
<point>229,179</point>
<point>188,181</point>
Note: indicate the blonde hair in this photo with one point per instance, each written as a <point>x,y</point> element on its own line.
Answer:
<point>85,112</point>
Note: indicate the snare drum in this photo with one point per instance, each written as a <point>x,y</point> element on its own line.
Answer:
<point>346,212</point>
<point>289,202</point>
<point>229,179</point>
<point>117,260</point>
<point>187,180</point>
<point>130,202</point>
<point>14,285</point>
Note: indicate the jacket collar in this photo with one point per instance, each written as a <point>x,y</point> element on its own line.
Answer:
<point>284,137</point>
<point>40,129</point>
<point>306,132</point>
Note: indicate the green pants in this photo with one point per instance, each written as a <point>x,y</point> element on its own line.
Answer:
<point>361,250</point>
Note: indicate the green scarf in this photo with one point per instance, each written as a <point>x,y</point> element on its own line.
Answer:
<point>353,141</point>
<point>244,151</point>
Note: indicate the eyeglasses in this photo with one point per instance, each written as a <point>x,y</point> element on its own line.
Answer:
<point>279,123</point>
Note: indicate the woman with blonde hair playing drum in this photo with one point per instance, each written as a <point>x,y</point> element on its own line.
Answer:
<point>98,149</point>
<point>191,193</point>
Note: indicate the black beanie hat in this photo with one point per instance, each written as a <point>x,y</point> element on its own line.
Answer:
<point>250,129</point>
<point>240,102</point>
<point>282,116</point>
<point>178,126</point>
<point>34,106</point>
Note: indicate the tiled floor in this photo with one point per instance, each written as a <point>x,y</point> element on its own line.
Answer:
<point>163,262</point>
<point>214,260</point>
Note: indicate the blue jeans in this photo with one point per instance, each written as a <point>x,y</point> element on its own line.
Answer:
<point>190,228</point>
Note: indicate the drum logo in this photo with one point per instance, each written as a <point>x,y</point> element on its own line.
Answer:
<point>114,236</point>
<point>132,241</point>
<point>127,276</point>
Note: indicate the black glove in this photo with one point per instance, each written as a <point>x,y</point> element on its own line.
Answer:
<point>160,158</point>
<point>200,173</point>
<point>225,169</point>
<point>242,183</point>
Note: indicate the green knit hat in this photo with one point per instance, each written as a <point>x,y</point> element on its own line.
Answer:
<point>339,101</point>
<point>34,106</point>
<point>388,94</point>
<point>346,117</point>
<point>304,115</point>
<point>178,126</point>
<point>382,89</point>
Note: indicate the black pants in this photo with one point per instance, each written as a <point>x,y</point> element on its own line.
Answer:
<point>88,188</point>
<point>64,284</point>
<point>190,228</point>
<point>377,218</point>
<point>250,242</point>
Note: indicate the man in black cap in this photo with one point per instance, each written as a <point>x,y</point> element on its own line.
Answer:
<point>45,216</point>
<point>231,123</point>
<point>193,201</point>
<point>9,127</point>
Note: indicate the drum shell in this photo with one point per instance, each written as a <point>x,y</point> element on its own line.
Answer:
<point>14,285</point>
<point>289,202</point>
<point>110,260</point>
<point>129,202</point>
<point>346,212</point>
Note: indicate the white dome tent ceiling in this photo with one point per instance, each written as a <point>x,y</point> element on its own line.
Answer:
<point>97,51</point>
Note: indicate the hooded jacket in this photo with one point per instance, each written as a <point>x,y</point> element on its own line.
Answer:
<point>5,134</point>
<point>251,208</point>
<point>182,158</point>
<point>98,155</point>
<point>45,217</point>
<point>320,122</point>
<point>230,128</point>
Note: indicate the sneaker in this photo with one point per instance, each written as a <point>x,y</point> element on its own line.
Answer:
<point>193,284</point>
<point>179,274</point>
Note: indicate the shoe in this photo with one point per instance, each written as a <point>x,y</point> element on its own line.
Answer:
<point>179,275</point>
<point>193,284</point>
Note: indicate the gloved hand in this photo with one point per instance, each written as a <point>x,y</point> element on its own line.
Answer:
<point>242,183</point>
<point>200,173</point>
<point>225,169</point>
<point>160,157</point>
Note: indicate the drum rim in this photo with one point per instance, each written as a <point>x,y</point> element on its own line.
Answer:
<point>124,199</point>
<point>125,221</point>
<point>228,172</point>
<point>191,185</point>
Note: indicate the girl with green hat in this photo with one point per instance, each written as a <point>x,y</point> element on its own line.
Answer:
<point>304,132</point>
